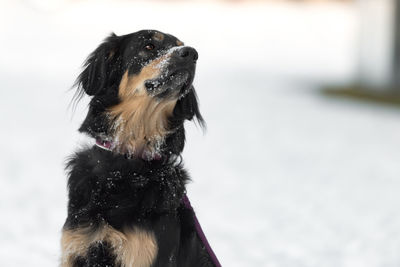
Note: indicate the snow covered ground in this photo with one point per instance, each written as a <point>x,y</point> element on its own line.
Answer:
<point>283,176</point>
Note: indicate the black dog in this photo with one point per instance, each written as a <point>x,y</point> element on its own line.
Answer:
<point>126,193</point>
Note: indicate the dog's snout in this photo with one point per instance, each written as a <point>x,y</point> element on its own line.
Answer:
<point>188,52</point>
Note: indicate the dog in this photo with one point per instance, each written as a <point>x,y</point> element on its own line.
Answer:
<point>126,193</point>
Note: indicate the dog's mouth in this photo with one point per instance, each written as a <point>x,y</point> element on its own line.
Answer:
<point>174,84</point>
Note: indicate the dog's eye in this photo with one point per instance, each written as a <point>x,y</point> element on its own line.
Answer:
<point>149,47</point>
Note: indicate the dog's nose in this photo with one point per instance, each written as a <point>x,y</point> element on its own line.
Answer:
<point>188,52</point>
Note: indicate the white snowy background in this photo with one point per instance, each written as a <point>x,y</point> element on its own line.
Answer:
<point>283,177</point>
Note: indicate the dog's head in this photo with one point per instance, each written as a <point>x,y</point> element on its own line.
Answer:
<point>141,88</point>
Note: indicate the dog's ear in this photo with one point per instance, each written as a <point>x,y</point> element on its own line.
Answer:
<point>99,66</point>
<point>188,108</point>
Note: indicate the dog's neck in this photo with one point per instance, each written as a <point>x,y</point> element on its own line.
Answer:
<point>145,154</point>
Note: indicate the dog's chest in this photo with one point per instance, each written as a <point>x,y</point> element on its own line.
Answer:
<point>120,191</point>
<point>135,196</point>
<point>118,208</point>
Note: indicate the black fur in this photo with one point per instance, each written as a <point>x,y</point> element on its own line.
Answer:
<point>106,187</point>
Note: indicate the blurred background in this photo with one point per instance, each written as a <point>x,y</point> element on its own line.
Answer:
<point>300,162</point>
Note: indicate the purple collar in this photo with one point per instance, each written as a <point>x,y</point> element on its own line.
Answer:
<point>104,144</point>
<point>145,155</point>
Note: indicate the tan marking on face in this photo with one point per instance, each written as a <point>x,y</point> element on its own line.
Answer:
<point>140,122</point>
<point>158,36</point>
<point>132,247</point>
<point>111,54</point>
<point>179,43</point>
